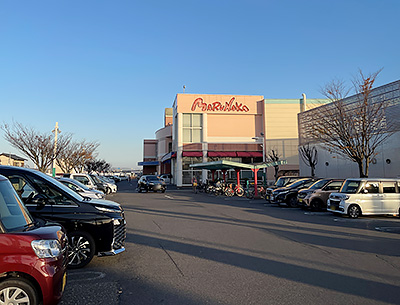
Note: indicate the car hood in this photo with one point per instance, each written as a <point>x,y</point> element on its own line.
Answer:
<point>156,182</point>
<point>105,203</point>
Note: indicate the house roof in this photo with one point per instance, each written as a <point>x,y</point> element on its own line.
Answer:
<point>12,156</point>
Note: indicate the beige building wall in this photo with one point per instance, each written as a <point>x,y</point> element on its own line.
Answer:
<point>7,160</point>
<point>281,118</point>
<point>149,149</point>
<point>233,127</point>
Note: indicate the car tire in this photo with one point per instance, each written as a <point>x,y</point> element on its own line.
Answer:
<point>18,291</point>
<point>81,248</point>
<point>108,191</point>
<point>316,205</point>
<point>163,191</point>
<point>292,202</point>
<point>354,211</point>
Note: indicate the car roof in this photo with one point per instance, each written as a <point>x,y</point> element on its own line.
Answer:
<point>374,179</point>
<point>18,168</point>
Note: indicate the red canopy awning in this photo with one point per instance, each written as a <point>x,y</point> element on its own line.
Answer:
<point>192,154</point>
<point>253,154</point>
<point>222,154</point>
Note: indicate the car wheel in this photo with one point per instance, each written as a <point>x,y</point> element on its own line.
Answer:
<point>353,211</point>
<point>316,205</point>
<point>163,191</point>
<point>80,249</point>
<point>292,201</point>
<point>18,291</point>
<point>108,191</point>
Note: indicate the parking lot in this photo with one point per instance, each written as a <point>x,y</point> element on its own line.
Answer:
<point>186,248</point>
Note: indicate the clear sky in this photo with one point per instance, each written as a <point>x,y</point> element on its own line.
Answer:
<point>106,69</point>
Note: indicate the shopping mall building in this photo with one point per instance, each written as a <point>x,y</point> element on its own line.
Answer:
<point>202,128</point>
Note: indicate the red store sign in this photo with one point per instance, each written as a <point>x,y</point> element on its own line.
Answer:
<point>230,106</point>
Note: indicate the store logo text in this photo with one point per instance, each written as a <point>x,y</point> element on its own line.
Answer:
<point>218,106</point>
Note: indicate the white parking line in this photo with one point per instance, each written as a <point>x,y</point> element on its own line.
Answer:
<point>85,276</point>
<point>169,197</point>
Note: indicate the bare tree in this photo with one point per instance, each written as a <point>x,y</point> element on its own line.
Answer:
<point>309,155</point>
<point>352,127</point>
<point>75,155</point>
<point>273,156</point>
<point>97,166</point>
<point>36,146</point>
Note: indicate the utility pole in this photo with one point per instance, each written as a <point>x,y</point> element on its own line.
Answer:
<point>55,131</point>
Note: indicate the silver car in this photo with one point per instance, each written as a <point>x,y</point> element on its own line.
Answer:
<point>82,189</point>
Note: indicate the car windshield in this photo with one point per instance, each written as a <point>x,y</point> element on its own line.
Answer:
<point>152,178</point>
<point>13,213</point>
<point>65,188</point>
<point>76,182</point>
<point>318,184</point>
<point>297,183</point>
<point>281,182</point>
<point>96,179</point>
<point>350,186</point>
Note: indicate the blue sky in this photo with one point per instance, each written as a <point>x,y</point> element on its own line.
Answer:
<point>105,70</point>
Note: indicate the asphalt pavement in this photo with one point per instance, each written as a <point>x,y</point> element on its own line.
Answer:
<point>186,248</point>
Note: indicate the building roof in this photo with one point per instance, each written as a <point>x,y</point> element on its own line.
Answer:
<point>12,156</point>
<point>223,164</point>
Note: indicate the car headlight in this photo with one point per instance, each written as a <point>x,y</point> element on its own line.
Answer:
<point>103,209</point>
<point>46,248</point>
<point>151,183</point>
<point>282,193</point>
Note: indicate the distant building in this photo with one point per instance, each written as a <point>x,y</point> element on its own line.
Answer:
<point>204,127</point>
<point>11,159</point>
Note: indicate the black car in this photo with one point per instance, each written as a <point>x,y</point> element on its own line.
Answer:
<point>93,226</point>
<point>288,195</point>
<point>151,183</point>
<point>280,182</point>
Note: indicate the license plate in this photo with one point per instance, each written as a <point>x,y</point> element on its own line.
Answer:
<point>332,207</point>
<point>300,200</point>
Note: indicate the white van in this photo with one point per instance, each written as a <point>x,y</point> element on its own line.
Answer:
<point>366,196</point>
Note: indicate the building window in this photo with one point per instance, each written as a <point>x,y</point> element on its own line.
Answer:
<point>191,128</point>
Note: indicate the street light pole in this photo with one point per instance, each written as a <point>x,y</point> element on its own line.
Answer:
<point>264,157</point>
<point>55,131</point>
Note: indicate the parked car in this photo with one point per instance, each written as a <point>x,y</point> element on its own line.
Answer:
<point>287,195</point>
<point>104,186</point>
<point>82,189</point>
<point>33,258</point>
<point>87,180</point>
<point>115,178</point>
<point>151,183</point>
<point>111,187</point>
<point>93,226</point>
<point>280,182</point>
<point>366,196</point>
<point>316,196</point>
<point>167,178</point>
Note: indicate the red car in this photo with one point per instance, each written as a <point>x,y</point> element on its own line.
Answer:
<point>33,258</point>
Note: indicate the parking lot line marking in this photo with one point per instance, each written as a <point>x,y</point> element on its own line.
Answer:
<point>85,276</point>
<point>169,197</point>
